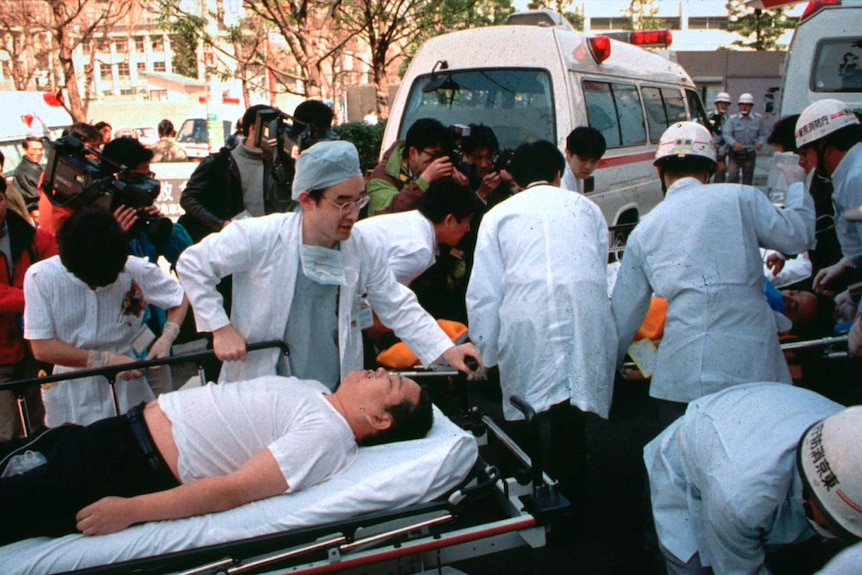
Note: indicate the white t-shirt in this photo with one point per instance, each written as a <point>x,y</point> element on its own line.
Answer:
<point>219,427</point>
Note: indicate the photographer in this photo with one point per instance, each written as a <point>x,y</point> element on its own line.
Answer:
<point>410,166</point>
<point>230,182</point>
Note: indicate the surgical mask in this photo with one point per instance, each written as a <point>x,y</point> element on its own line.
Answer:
<point>820,530</point>
<point>322,265</point>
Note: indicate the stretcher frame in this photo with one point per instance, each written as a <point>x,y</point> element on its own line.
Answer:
<point>412,540</point>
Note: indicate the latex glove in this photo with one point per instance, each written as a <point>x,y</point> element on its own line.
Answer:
<point>845,307</point>
<point>828,274</point>
<point>99,359</point>
<point>162,346</point>
<point>775,263</point>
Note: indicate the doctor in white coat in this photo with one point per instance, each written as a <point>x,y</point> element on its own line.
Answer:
<point>304,278</point>
<point>411,239</point>
<point>750,468</point>
<point>538,306</point>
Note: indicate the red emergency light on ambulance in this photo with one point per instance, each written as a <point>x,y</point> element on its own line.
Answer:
<point>536,78</point>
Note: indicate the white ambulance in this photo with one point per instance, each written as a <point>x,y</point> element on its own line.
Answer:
<point>27,114</point>
<point>824,59</point>
<point>536,78</point>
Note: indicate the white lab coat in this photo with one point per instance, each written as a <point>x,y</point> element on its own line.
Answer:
<point>569,181</point>
<point>699,250</point>
<point>847,194</point>
<point>848,562</point>
<point>537,300</point>
<point>407,238</point>
<point>263,256</point>
<point>723,478</point>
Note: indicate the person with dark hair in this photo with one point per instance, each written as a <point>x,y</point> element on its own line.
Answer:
<point>585,146</point>
<point>537,305</point>
<point>21,246</point>
<point>698,249</point>
<point>231,182</point>
<point>85,308</point>
<point>491,185</point>
<point>409,166</point>
<point>315,122</point>
<point>412,240</point>
<point>309,279</point>
<point>28,174</point>
<point>104,130</point>
<point>167,149</point>
<point>51,217</point>
<point>273,435</point>
<point>14,198</point>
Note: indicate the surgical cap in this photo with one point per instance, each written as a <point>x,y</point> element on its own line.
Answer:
<point>324,165</point>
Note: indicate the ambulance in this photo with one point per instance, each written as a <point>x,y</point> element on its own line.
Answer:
<point>824,59</point>
<point>535,78</point>
<point>28,114</point>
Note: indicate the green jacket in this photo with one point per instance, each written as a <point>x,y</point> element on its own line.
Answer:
<point>391,188</point>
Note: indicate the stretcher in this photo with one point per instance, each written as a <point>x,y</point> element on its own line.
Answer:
<point>403,507</point>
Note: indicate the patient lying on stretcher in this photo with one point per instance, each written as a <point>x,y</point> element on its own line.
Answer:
<point>203,450</point>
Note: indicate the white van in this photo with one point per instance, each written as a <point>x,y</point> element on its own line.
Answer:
<point>824,59</point>
<point>28,114</point>
<point>531,82</point>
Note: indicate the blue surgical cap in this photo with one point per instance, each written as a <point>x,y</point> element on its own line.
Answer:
<point>324,165</point>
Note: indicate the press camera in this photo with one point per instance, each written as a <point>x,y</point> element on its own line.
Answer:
<point>77,176</point>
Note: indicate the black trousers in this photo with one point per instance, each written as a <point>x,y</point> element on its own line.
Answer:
<point>114,456</point>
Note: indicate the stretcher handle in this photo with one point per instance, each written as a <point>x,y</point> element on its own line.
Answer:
<point>111,372</point>
<point>533,435</point>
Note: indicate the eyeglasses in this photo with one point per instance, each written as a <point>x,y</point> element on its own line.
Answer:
<point>434,154</point>
<point>350,205</point>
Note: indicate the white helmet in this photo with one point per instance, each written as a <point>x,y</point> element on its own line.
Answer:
<point>685,139</point>
<point>830,463</point>
<point>745,98</point>
<point>821,119</point>
<point>723,97</point>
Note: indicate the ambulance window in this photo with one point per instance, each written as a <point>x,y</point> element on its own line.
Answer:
<point>664,106</point>
<point>615,111</point>
<point>838,65</point>
<point>695,107</point>
<point>516,103</point>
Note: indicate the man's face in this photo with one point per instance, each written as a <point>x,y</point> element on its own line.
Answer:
<point>376,391</point>
<point>452,230</point>
<point>581,166</point>
<point>33,151</point>
<point>807,159</point>
<point>482,159</point>
<point>326,220</point>
<point>418,160</point>
<point>722,107</point>
<point>745,109</point>
<point>800,306</point>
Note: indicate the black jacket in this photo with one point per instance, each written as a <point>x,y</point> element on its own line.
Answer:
<point>213,194</point>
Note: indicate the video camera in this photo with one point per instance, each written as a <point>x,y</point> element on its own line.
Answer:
<point>502,159</point>
<point>458,132</point>
<point>276,133</point>
<point>75,179</point>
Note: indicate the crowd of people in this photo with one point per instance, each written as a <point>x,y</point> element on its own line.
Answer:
<point>339,266</point>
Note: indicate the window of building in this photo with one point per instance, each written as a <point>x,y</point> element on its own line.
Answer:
<point>159,67</point>
<point>610,23</point>
<point>139,43</point>
<point>142,67</point>
<point>105,72</point>
<point>158,44</point>
<point>614,109</point>
<point>123,69</point>
<point>707,23</point>
<point>673,23</point>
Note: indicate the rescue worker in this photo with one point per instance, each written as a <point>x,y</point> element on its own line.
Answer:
<point>751,468</point>
<point>829,133</point>
<point>715,123</point>
<point>537,306</point>
<point>698,249</point>
<point>304,278</point>
<point>745,135</point>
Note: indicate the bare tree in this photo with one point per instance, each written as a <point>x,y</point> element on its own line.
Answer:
<point>26,46</point>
